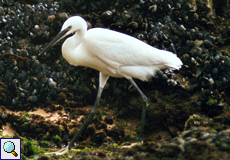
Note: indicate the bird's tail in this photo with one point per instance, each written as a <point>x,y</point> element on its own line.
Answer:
<point>173,62</point>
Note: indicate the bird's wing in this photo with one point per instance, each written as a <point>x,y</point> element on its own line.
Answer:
<point>117,49</point>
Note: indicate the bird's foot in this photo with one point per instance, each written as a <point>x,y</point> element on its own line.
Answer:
<point>60,152</point>
<point>133,144</point>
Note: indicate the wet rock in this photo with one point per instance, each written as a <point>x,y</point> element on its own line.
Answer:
<point>201,149</point>
<point>108,120</point>
<point>207,44</point>
<point>43,158</point>
<point>196,120</point>
<point>61,97</point>
<point>29,80</point>
<point>98,136</point>
<point>171,150</point>
<point>116,133</point>
<point>222,8</point>
<point>222,141</point>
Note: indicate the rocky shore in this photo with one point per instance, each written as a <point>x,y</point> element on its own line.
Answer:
<point>44,100</point>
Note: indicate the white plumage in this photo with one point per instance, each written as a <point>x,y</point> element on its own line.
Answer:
<point>113,54</point>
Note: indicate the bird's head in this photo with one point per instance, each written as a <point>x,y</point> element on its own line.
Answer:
<point>73,24</point>
<point>70,26</point>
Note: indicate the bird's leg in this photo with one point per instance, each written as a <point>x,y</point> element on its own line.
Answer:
<point>88,120</point>
<point>102,81</point>
<point>143,109</point>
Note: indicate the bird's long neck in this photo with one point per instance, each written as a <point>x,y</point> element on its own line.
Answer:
<point>71,44</point>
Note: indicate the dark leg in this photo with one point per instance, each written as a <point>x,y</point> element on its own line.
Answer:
<point>102,81</point>
<point>88,120</point>
<point>143,109</point>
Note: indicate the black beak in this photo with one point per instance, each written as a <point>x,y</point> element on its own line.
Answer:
<point>58,37</point>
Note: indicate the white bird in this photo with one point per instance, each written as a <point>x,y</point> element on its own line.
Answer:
<point>112,54</point>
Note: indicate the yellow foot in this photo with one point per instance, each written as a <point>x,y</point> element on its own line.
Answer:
<point>60,152</point>
<point>133,144</point>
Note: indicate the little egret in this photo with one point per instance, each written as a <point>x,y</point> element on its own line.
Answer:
<point>112,54</point>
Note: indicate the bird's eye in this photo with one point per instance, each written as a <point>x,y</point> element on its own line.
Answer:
<point>69,28</point>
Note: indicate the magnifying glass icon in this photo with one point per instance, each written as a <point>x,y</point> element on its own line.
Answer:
<point>9,147</point>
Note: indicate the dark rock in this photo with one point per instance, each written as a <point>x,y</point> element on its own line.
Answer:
<point>98,136</point>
